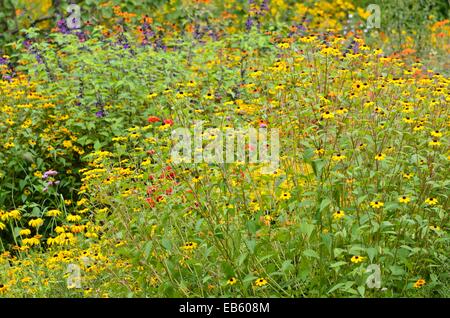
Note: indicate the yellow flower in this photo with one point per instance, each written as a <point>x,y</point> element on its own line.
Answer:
<point>67,144</point>
<point>363,14</point>
<point>358,85</point>
<point>436,133</point>
<point>408,175</point>
<point>189,246</point>
<point>260,282</point>
<point>36,222</point>
<point>342,111</point>
<point>24,232</point>
<point>82,201</point>
<point>231,281</point>
<point>53,213</point>
<point>376,204</point>
<point>284,45</point>
<point>3,288</point>
<point>435,228</point>
<point>404,199</point>
<point>191,83</point>
<point>2,226</point>
<point>408,120</point>
<point>431,201</point>
<point>338,157</point>
<point>319,151</point>
<point>285,196</point>
<point>420,282</point>
<point>357,259</point>
<point>38,174</point>
<point>254,206</point>
<point>196,179</point>
<point>327,115</point>
<point>59,229</point>
<point>209,96</point>
<point>31,241</point>
<point>73,218</point>
<point>434,143</point>
<point>338,215</point>
<point>380,157</point>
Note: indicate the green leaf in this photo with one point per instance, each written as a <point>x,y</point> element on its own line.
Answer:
<point>147,249</point>
<point>324,204</point>
<point>287,266</point>
<point>311,253</point>
<point>338,264</point>
<point>371,252</point>
<point>251,244</point>
<point>361,290</point>
<point>166,244</point>
<point>307,229</point>
<point>337,286</point>
<point>242,259</point>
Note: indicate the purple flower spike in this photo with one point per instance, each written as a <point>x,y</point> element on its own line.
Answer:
<point>49,173</point>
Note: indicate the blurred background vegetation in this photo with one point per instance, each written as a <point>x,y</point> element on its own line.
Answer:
<point>405,24</point>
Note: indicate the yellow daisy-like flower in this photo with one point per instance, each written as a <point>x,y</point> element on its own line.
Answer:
<point>357,259</point>
<point>73,218</point>
<point>327,115</point>
<point>431,201</point>
<point>434,143</point>
<point>191,83</point>
<point>319,151</point>
<point>209,96</point>
<point>24,232</point>
<point>260,282</point>
<point>59,229</point>
<point>342,110</point>
<point>36,222</point>
<point>408,175</point>
<point>33,241</point>
<point>436,133</point>
<point>284,45</point>
<point>285,196</point>
<point>196,179</point>
<point>376,204</point>
<point>338,215</point>
<point>380,157</point>
<point>408,120</point>
<point>3,288</point>
<point>53,213</point>
<point>189,246</point>
<point>419,283</point>
<point>2,226</point>
<point>435,228</point>
<point>231,281</point>
<point>404,199</point>
<point>358,85</point>
<point>338,157</point>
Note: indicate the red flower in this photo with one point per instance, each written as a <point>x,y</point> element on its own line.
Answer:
<point>153,119</point>
<point>168,122</point>
<point>151,202</point>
